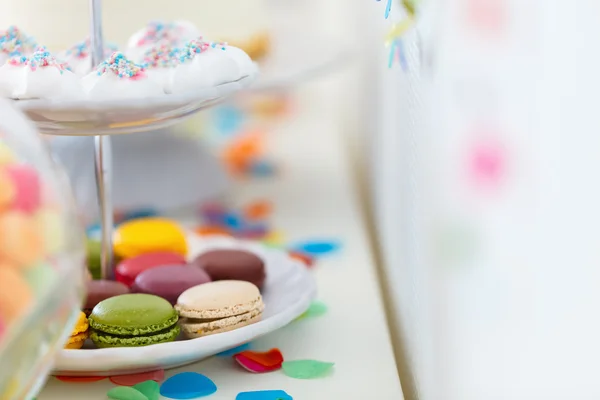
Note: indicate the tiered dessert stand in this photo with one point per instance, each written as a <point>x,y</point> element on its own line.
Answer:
<point>289,288</point>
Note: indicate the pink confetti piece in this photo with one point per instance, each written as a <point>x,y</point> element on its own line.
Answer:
<point>487,163</point>
<point>260,362</point>
<point>134,379</point>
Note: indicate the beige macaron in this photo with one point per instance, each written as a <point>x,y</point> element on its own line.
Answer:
<point>217,307</point>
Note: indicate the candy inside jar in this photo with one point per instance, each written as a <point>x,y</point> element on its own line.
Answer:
<point>42,271</point>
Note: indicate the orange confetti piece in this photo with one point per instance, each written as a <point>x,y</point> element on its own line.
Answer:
<point>268,359</point>
<point>307,260</point>
<point>258,209</point>
<point>212,230</point>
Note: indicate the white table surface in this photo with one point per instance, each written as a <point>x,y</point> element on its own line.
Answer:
<point>314,198</point>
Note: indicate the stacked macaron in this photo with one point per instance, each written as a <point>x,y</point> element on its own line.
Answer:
<point>30,234</point>
<point>79,333</point>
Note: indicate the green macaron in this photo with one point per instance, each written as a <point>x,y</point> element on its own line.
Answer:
<point>132,320</point>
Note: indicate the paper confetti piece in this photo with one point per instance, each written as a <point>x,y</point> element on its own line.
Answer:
<point>80,379</point>
<point>187,385</point>
<point>275,239</point>
<point>487,163</point>
<point>150,389</point>
<point>142,213</point>
<point>258,362</point>
<point>316,247</point>
<point>234,351</point>
<point>264,395</point>
<point>304,258</point>
<point>209,230</point>
<point>228,119</point>
<point>256,231</point>
<point>134,379</point>
<point>125,393</point>
<point>233,221</point>
<point>388,9</point>
<point>259,209</point>
<point>262,168</point>
<point>316,309</point>
<point>306,369</point>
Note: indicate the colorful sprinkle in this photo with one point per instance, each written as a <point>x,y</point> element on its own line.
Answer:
<point>119,65</point>
<point>316,247</point>
<point>260,362</point>
<point>234,351</point>
<point>41,58</point>
<point>125,393</point>
<point>134,379</point>
<point>197,46</point>
<point>83,49</point>
<point>264,395</point>
<point>306,369</point>
<point>187,385</point>
<point>157,31</point>
<point>150,389</point>
<point>162,56</point>
<point>14,42</point>
<point>80,379</point>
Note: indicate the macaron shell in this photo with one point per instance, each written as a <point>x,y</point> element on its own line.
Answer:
<point>16,296</point>
<point>100,290</point>
<point>81,326</point>
<point>232,265</point>
<point>169,281</point>
<point>21,242</point>
<point>218,300</point>
<point>147,235</point>
<point>104,340</point>
<point>77,341</point>
<point>127,270</point>
<point>133,314</point>
<point>196,328</point>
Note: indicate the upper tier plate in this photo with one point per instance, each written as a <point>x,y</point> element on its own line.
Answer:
<point>83,118</point>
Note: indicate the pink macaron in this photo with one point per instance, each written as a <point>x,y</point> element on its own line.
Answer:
<point>127,270</point>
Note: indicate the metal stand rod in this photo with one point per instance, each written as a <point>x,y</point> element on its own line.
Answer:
<point>102,154</point>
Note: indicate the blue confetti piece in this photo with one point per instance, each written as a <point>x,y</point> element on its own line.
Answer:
<point>233,221</point>
<point>187,385</point>
<point>234,351</point>
<point>388,8</point>
<point>317,248</point>
<point>264,395</point>
<point>228,119</point>
<point>262,168</point>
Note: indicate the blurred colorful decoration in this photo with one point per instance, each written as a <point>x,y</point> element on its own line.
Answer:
<point>244,155</point>
<point>134,379</point>
<point>264,395</point>
<point>487,163</point>
<point>228,119</point>
<point>393,39</point>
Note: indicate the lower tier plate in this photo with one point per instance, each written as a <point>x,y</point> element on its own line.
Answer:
<point>288,292</point>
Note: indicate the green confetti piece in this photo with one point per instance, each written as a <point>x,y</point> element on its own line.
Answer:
<point>150,389</point>
<point>125,393</point>
<point>316,309</point>
<point>306,369</point>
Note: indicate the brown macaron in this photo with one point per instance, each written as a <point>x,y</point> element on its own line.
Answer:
<point>239,265</point>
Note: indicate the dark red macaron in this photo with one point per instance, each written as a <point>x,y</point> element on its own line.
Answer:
<point>169,281</point>
<point>127,270</point>
<point>101,290</point>
<point>236,265</point>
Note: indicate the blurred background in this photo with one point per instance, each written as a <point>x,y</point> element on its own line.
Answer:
<point>459,152</point>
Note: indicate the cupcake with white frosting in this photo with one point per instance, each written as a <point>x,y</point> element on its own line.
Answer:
<point>14,42</point>
<point>160,63</point>
<point>157,33</point>
<point>119,78</point>
<point>203,64</point>
<point>79,56</point>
